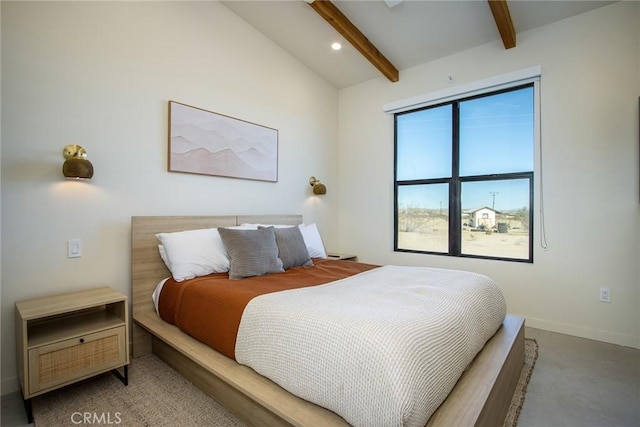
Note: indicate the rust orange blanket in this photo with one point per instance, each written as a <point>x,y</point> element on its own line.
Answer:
<point>210,308</point>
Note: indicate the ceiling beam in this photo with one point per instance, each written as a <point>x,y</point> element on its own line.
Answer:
<point>345,27</point>
<point>501,15</point>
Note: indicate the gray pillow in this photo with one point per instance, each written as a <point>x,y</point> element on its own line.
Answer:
<point>291,248</point>
<point>251,252</point>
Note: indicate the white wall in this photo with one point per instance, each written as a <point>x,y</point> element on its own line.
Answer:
<point>100,74</point>
<point>590,88</point>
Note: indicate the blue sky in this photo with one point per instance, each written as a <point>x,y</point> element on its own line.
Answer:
<point>496,136</point>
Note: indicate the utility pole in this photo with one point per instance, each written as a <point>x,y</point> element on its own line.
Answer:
<point>494,194</point>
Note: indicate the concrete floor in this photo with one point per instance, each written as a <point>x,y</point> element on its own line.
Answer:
<point>576,383</point>
<point>580,382</point>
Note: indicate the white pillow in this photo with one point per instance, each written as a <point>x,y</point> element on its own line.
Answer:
<point>164,256</point>
<point>313,241</point>
<point>194,253</point>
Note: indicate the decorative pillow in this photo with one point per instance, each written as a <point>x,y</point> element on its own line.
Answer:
<point>244,227</point>
<point>251,252</point>
<point>248,225</point>
<point>291,248</point>
<point>313,241</point>
<point>194,253</point>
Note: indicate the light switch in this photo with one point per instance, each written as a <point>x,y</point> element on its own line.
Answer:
<point>74,247</point>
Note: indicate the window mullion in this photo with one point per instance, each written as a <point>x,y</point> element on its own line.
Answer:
<point>454,186</point>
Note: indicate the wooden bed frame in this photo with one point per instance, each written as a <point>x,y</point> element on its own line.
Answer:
<point>480,398</point>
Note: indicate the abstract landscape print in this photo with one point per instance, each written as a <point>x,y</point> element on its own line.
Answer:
<point>208,143</point>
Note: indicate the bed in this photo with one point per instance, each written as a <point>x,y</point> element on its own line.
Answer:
<point>480,397</point>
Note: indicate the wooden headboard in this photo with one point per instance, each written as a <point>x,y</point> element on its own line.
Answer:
<point>147,268</point>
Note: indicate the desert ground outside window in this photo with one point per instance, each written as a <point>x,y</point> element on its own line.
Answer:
<point>464,173</point>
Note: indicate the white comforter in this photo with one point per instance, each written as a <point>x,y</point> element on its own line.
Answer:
<point>382,348</point>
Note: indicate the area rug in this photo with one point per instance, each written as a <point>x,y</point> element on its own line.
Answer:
<point>158,396</point>
<point>530,357</point>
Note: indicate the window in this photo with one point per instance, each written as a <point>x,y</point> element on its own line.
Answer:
<point>464,176</point>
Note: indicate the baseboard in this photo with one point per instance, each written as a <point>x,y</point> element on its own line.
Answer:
<point>582,332</point>
<point>10,385</point>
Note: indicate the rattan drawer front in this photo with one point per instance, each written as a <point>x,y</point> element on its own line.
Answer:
<point>72,359</point>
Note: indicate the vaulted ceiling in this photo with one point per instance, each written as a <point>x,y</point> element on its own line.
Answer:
<point>405,33</point>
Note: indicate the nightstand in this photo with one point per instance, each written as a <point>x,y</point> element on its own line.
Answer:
<point>342,257</point>
<point>65,338</point>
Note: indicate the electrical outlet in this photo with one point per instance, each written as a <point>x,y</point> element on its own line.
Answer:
<point>605,295</point>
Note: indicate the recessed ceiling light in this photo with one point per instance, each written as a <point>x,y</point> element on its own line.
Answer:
<point>336,46</point>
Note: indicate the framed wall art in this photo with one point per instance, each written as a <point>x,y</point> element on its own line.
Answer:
<point>208,143</point>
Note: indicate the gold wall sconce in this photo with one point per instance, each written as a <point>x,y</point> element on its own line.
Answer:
<point>318,187</point>
<point>76,164</point>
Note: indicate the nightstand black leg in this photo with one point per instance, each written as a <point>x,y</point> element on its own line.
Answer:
<point>124,378</point>
<point>27,407</point>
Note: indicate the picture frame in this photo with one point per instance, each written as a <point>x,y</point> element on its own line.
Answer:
<point>208,143</point>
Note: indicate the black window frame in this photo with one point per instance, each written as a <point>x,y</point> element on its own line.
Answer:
<point>455,182</point>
